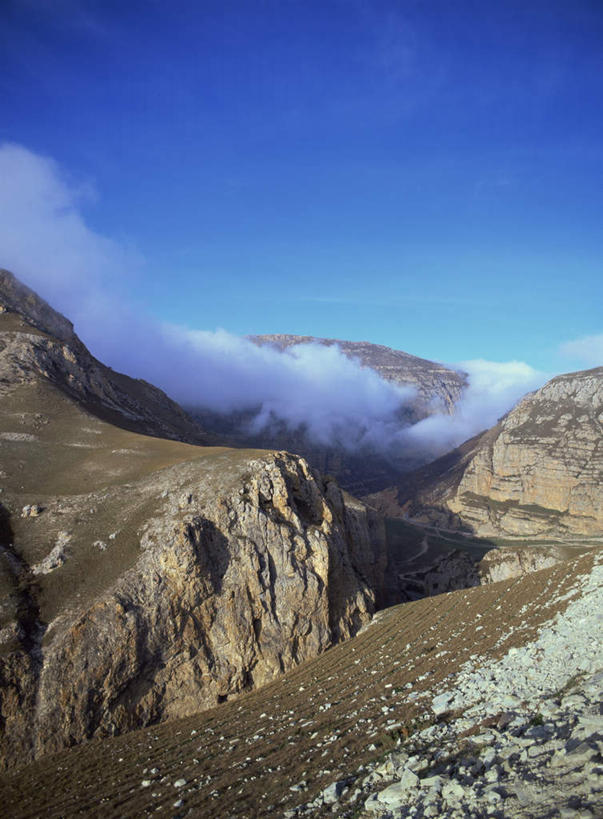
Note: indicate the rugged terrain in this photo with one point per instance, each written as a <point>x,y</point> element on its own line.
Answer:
<point>538,472</point>
<point>144,578</point>
<point>438,389</point>
<point>481,702</point>
<point>39,343</point>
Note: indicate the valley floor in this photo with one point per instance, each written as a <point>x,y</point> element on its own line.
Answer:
<point>329,737</point>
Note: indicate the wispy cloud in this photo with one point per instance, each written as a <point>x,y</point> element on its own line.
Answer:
<point>494,388</point>
<point>46,241</point>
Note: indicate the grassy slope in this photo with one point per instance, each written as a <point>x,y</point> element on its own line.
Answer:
<point>243,758</point>
<point>92,480</point>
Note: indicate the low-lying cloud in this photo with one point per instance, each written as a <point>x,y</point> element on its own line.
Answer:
<point>46,242</point>
<point>493,389</point>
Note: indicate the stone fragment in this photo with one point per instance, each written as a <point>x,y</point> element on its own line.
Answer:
<point>441,703</point>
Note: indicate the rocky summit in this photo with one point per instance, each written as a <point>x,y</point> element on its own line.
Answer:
<point>538,472</point>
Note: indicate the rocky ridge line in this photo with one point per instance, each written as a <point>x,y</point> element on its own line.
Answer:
<point>37,341</point>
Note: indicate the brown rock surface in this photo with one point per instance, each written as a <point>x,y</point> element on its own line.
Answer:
<point>538,472</point>
<point>218,591</point>
<point>156,578</point>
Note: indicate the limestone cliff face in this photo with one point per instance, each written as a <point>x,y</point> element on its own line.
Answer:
<point>504,564</point>
<point>538,472</point>
<point>228,589</point>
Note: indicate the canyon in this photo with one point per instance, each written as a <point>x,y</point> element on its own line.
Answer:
<point>163,577</point>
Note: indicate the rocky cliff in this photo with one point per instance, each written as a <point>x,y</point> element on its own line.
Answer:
<point>216,591</point>
<point>144,578</point>
<point>538,472</point>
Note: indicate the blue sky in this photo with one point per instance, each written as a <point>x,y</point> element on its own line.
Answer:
<point>426,175</point>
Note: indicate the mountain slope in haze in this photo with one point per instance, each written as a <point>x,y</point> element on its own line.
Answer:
<point>436,385</point>
<point>144,578</point>
<point>438,388</point>
<point>37,341</point>
<point>538,472</point>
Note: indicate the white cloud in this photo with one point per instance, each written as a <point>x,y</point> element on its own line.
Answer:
<point>586,351</point>
<point>45,241</point>
<point>494,388</point>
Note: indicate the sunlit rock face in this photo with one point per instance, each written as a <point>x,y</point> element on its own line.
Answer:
<point>539,471</point>
<point>142,577</point>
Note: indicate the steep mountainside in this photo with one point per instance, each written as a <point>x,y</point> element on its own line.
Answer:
<point>36,341</point>
<point>143,578</point>
<point>433,382</point>
<point>539,471</point>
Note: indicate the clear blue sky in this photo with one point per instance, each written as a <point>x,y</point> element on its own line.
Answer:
<point>427,175</point>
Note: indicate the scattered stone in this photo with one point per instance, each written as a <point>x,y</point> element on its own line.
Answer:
<point>31,511</point>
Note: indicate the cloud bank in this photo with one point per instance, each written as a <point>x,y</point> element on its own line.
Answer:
<point>46,242</point>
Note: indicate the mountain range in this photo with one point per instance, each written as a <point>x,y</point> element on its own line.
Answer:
<point>151,571</point>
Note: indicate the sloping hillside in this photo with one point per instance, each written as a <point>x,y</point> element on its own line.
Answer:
<point>143,578</point>
<point>539,471</point>
<point>331,735</point>
<point>39,343</point>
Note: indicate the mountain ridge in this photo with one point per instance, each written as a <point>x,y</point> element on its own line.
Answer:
<point>538,471</point>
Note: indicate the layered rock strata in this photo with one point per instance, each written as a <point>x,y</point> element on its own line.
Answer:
<point>538,472</point>
<point>225,590</point>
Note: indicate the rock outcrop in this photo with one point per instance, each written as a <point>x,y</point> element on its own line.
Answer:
<point>538,472</point>
<point>143,578</point>
<point>226,589</point>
